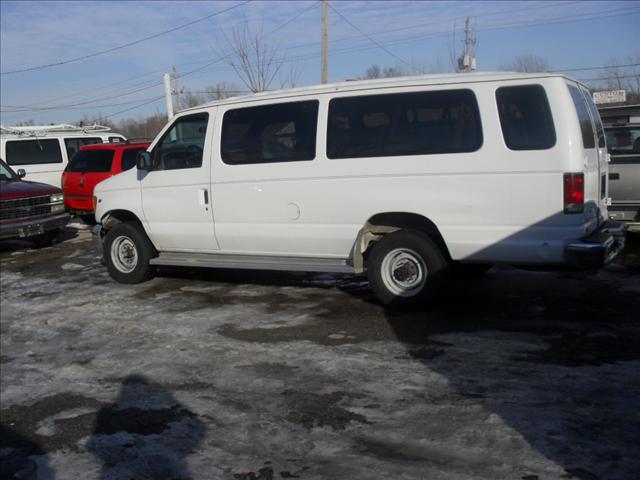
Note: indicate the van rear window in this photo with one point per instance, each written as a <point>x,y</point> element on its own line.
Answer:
<point>93,161</point>
<point>525,117</point>
<point>419,123</point>
<point>33,152</point>
<point>586,127</point>
<point>73,144</point>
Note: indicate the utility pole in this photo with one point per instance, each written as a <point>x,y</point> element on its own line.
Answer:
<point>167,95</point>
<point>467,62</point>
<point>325,36</point>
<point>174,76</point>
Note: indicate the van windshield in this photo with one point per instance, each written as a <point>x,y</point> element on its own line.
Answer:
<point>91,161</point>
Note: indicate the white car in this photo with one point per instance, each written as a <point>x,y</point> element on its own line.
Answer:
<point>400,178</point>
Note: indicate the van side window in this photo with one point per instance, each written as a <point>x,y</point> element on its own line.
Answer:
<point>525,117</point>
<point>32,152</point>
<point>285,132</point>
<point>596,118</point>
<point>73,144</point>
<point>586,127</point>
<point>418,123</point>
<point>182,145</point>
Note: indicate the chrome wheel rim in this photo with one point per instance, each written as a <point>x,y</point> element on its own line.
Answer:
<point>403,272</point>
<point>124,254</point>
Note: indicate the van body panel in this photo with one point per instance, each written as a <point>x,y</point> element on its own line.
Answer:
<point>176,202</point>
<point>494,204</point>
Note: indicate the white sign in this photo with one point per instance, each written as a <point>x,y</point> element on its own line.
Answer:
<point>610,96</point>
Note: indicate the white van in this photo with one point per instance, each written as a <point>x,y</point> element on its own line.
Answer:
<point>401,178</point>
<point>43,151</point>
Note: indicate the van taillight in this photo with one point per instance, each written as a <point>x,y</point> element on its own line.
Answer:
<point>573,192</point>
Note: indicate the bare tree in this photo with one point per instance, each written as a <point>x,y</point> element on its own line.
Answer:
<point>376,71</point>
<point>618,77</point>
<point>147,127</point>
<point>527,63</point>
<point>221,90</point>
<point>256,62</point>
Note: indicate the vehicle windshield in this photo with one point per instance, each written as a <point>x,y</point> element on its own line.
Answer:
<point>623,140</point>
<point>91,161</point>
<point>6,174</point>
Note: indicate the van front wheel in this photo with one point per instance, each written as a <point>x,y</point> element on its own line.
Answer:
<point>127,253</point>
<point>405,267</point>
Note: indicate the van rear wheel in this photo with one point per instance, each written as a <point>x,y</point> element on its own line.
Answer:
<point>405,268</point>
<point>127,252</point>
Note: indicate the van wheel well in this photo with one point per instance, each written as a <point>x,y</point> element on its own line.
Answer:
<point>382,223</point>
<point>118,216</point>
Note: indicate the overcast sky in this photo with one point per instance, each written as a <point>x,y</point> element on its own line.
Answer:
<point>568,35</point>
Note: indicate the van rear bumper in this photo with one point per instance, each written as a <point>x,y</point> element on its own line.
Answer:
<point>597,249</point>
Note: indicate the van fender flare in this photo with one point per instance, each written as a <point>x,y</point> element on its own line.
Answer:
<point>384,223</point>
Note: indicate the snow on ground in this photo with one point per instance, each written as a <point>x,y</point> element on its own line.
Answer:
<point>255,375</point>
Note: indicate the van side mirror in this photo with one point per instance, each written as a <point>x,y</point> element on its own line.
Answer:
<point>21,173</point>
<point>143,161</point>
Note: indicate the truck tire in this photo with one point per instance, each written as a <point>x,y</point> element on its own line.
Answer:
<point>127,251</point>
<point>406,268</point>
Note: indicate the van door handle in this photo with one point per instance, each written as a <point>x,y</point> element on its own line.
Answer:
<point>203,195</point>
<point>614,176</point>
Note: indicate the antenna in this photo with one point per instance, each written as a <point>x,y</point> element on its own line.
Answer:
<point>467,62</point>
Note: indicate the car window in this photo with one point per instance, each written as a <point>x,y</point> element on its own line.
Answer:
<point>418,123</point>
<point>525,117</point>
<point>182,145</point>
<point>129,157</point>
<point>30,152</point>
<point>6,173</point>
<point>73,144</point>
<point>623,140</point>
<point>284,132</point>
<point>93,161</point>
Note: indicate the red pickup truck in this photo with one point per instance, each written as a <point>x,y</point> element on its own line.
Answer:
<point>29,209</point>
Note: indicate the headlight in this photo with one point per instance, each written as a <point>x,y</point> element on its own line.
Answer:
<point>57,208</point>
<point>57,198</point>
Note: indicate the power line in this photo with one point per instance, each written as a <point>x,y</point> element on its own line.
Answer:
<point>596,68</point>
<point>154,84</point>
<point>136,106</point>
<point>372,40</point>
<point>305,56</point>
<point>125,45</point>
<point>302,57</point>
<point>21,109</point>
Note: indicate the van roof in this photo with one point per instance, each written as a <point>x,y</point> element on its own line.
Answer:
<point>56,131</point>
<point>383,83</point>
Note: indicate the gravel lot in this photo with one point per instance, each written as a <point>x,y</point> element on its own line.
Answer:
<point>210,374</point>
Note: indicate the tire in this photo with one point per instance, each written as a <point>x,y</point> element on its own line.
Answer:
<point>127,251</point>
<point>406,268</point>
<point>47,238</point>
